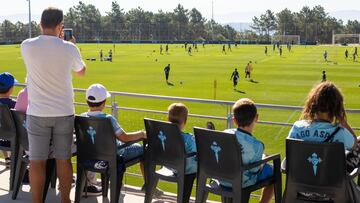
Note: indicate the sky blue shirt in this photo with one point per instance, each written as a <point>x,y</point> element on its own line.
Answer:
<point>318,131</point>
<point>115,124</point>
<point>252,151</point>
<point>190,147</point>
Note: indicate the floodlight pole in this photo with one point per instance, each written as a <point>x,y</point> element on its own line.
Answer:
<point>29,18</point>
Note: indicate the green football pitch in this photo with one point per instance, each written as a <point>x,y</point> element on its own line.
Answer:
<point>138,68</point>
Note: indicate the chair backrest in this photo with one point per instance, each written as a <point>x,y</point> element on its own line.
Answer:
<point>95,139</point>
<point>165,145</point>
<point>7,126</point>
<point>315,167</point>
<point>218,155</point>
<point>20,123</point>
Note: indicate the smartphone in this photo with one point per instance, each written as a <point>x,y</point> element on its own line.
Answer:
<point>68,34</point>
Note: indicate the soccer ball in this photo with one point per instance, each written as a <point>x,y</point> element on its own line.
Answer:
<point>181,82</point>
<point>156,60</point>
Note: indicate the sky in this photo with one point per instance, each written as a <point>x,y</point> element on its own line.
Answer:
<point>224,10</point>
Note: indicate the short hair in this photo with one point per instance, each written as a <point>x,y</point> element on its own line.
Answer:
<point>4,91</point>
<point>244,111</point>
<point>177,113</point>
<point>97,104</point>
<point>51,17</point>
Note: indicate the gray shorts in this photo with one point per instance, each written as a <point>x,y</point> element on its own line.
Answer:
<point>43,131</point>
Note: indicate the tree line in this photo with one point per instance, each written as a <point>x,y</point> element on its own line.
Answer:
<point>312,24</point>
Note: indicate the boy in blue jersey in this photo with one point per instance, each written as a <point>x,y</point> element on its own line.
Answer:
<point>323,114</point>
<point>245,118</point>
<point>96,96</point>
<point>178,113</point>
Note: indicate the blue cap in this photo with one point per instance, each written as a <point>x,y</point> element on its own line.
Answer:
<point>7,81</point>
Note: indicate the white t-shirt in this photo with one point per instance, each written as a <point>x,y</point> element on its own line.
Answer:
<point>49,63</point>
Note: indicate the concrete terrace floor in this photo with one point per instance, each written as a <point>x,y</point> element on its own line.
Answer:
<point>129,194</point>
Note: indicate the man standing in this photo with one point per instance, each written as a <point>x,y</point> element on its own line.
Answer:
<point>49,62</point>
<point>101,55</point>
<point>235,77</point>
<point>167,72</point>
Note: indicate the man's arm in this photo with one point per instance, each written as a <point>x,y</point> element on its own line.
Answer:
<point>81,73</point>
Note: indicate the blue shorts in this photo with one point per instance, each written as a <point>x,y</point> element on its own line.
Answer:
<point>266,172</point>
<point>132,151</point>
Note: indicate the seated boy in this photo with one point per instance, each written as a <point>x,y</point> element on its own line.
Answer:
<point>7,82</point>
<point>245,118</point>
<point>178,113</point>
<point>96,96</point>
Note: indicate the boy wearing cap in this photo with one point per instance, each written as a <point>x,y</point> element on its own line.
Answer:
<point>7,82</point>
<point>96,96</point>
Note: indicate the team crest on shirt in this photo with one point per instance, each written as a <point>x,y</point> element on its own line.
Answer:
<point>162,138</point>
<point>216,149</point>
<point>92,133</point>
<point>315,160</point>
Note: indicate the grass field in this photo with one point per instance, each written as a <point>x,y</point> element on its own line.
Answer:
<point>279,80</point>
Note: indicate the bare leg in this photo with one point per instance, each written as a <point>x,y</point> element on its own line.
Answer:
<point>37,179</point>
<point>267,194</point>
<point>64,172</point>
<point>6,154</point>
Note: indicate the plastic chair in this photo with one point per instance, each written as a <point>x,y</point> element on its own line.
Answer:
<point>23,159</point>
<point>166,149</point>
<point>96,151</point>
<point>316,172</point>
<point>8,134</point>
<point>219,158</point>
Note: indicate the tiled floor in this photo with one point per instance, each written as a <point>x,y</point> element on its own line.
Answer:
<point>129,194</point>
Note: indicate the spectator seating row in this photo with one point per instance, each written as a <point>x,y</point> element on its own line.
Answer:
<point>315,172</point>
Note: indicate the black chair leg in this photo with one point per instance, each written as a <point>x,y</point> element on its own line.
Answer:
<point>20,173</point>
<point>277,192</point>
<point>226,199</point>
<point>201,194</point>
<point>13,157</point>
<point>105,184</point>
<point>53,178</point>
<point>245,197</point>
<point>188,185</point>
<point>80,183</point>
<point>118,185</point>
<point>150,186</point>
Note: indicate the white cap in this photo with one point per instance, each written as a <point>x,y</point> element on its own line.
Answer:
<point>97,93</point>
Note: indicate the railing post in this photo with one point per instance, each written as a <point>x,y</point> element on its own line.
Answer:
<point>114,108</point>
<point>228,117</point>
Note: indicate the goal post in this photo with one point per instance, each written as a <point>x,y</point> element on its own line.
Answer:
<point>285,39</point>
<point>346,38</point>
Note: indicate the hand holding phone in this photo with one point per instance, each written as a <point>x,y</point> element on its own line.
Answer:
<point>68,34</point>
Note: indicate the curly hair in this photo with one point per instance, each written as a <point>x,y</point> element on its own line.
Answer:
<point>325,98</point>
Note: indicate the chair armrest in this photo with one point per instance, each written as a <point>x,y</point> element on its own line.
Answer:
<point>126,144</point>
<point>274,157</point>
<point>354,173</point>
<point>191,154</point>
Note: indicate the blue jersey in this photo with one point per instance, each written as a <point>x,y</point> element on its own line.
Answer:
<point>190,147</point>
<point>251,151</point>
<point>318,131</point>
<point>115,124</point>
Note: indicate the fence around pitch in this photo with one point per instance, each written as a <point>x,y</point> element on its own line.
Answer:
<point>227,115</point>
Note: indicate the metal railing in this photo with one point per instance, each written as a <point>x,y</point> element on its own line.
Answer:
<point>228,104</point>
